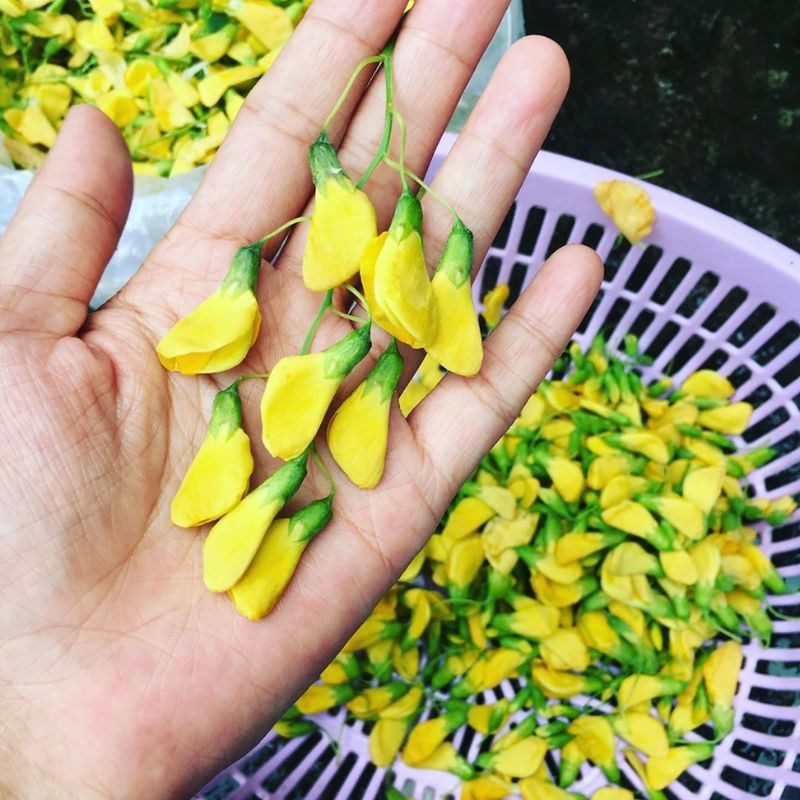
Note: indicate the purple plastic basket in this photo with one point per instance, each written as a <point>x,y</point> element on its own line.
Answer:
<point>704,291</point>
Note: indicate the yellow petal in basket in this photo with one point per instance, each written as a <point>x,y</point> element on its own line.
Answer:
<point>628,205</point>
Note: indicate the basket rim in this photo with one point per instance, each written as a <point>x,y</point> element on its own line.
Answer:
<point>703,220</point>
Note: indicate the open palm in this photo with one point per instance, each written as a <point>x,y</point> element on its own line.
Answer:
<point>120,675</point>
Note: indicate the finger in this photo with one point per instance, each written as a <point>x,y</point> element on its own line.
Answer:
<point>260,177</point>
<point>66,228</point>
<point>437,51</point>
<point>517,356</point>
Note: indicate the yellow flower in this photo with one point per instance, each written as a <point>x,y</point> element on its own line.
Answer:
<point>234,540</point>
<point>644,732</point>
<point>565,650</point>
<point>679,567</point>
<point>619,488</point>
<point>463,562</point>
<point>707,383</point>
<point>385,739</point>
<point>401,289</point>
<point>612,793</point>
<point>359,430</point>
<point>488,719</point>
<point>637,689</point>
<point>520,760</point>
<point>595,738</point>
<point>425,381</point>
<point>218,477</point>
<point>501,535</point>
<point>445,759</point>
<point>219,333</point>
<point>457,346</point>
<point>732,419</point>
<point>215,84</point>
<point>317,698</point>
<point>487,787</point>
<point>372,631</point>
<point>258,590</point>
<point>119,107</point>
<point>466,517</point>
<point>370,702</point>
<point>537,789</point>
<point>559,684</point>
<point>605,468</point>
<point>703,487</point>
<point>212,47</point>
<point>663,770</point>
<point>628,205</point>
<point>721,674</point>
<point>493,302</point>
<point>486,673</point>
<point>31,124</point>
<point>530,619</point>
<point>300,389</point>
<point>630,558</point>
<point>567,476</point>
<point>635,519</point>
<point>269,23</point>
<point>427,736</point>
<point>342,224</point>
<point>576,546</point>
<point>94,36</point>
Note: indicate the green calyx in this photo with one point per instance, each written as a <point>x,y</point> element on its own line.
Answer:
<point>244,270</point>
<point>407,217</point>
<point>324,162</point>
<point>341,357</point>
<point>285,481</point>
<point>456,260</point>
<point>309,521</point>
<point>386,373</point>
<point>226,413</point>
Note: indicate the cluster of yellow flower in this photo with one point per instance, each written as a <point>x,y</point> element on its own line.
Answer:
<point>596,556</point>
<point>249,553</point>
<point>171,74</point>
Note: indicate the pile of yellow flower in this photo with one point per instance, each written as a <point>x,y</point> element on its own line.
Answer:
<point>598,555</point>
<point>249,552</point>
<point>170,73</point>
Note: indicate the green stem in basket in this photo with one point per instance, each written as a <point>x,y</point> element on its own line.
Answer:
<point>386,56</point>
<point>286,225</point>
<point>327,301</point>
<point>353,78</point>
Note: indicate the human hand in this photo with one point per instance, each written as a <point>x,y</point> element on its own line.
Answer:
<point>120,675</point>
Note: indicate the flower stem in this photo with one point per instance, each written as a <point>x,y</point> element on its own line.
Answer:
<point>325,471</point>
<point>360,297</point>
<point>286,225</point>
<point>386,56</point>
<point>252,376</point>
<point>401,168</point>
<point>343,96</point>
<point>351,317</point>
<point>324,306</point>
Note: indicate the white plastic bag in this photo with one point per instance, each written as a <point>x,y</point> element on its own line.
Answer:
<point>158,201</point>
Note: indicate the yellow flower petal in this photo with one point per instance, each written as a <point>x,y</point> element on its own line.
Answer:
<point>628,205</point>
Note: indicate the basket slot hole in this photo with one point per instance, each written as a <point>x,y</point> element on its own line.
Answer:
<point>786,532</point>
<point>642,322</point>
<point>715,361</point>
<point>311,775</point>
<point>644,268</point>
<point>772,727</point>
<point>671,281</point>
<point>489,273</point>
<point>594,233</point>
<point>760,787</point>
<point>767,756</point>
<point>590,313</point>
<point>615,314</point>
<point>699,294</point>
<point>788,559</point>
<point>501,238</point>
<point>262,755</point>
<point>740,375</point>
<point>690,782</point>
<point>561,233</point>
<point>515,283</point>
<point>792,792</point>
<point>664,337</point>
<point>789,373</point>
<point>225,788</point>
<point>783,478</point>
<point>725,310</point>
<point>360,789</point>
<point>690,348</point>
<point>796,400</point>
<point>338,778</point>
<point>759,396</point>
<point>777,343</point>
<point>752,325</point>
<point>283,770</point>
<point>787,445</point>
<point>766,425</point>
<point>796,764</point>
<point>615,257</point>
<point>532,229</point>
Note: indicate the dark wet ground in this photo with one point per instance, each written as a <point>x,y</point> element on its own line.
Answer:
<point>707,91</point>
